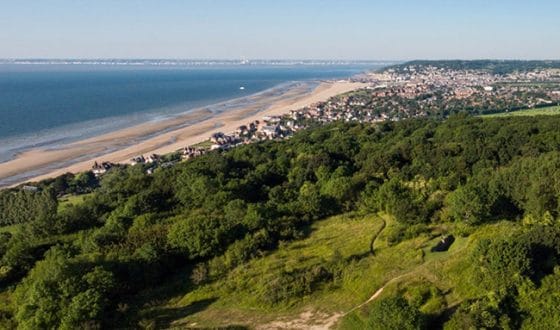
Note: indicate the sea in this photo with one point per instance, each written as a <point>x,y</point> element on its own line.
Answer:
<point>50,105</point>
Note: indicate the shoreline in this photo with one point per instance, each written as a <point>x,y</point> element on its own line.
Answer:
<point>162,137</point>
<point>60,137</point>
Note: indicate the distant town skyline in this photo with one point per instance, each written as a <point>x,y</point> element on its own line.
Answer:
<point>289,29</point>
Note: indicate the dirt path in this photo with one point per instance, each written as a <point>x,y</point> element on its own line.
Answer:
<point>376,235</point>
<point>377,293</point>
<point>315,320</point>
<point>309,319</point>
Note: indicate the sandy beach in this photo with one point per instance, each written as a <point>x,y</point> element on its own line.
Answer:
<point>165,136</point>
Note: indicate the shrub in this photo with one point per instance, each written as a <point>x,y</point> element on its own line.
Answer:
<point>394,313</point>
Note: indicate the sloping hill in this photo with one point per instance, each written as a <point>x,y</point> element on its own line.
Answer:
<point>241,299</point>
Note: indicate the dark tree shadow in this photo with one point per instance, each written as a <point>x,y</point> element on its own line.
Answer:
<point>438,321</point>
<point>165,316</point>
<point>359,256</point>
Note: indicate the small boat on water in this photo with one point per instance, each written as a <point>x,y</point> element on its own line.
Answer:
<point>242,88</point>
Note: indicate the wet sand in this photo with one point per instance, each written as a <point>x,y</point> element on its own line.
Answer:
<point>163,136</point>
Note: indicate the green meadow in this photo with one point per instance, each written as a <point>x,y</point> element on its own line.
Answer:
<point>546,111</point>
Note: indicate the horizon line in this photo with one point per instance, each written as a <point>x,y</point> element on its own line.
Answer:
<point>194,59</point>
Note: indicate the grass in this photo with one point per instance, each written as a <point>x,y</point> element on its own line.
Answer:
<point>6,310</point>
<point>206,144</point>
<point>546,111</point>
<point>68,200</point>
<point>9,229</point>
<point>63,203</point>
<point>449,272</point>
<point>404,268</point>
<point>234,300</point>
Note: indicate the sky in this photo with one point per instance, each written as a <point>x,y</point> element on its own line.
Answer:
<point>280,29</point>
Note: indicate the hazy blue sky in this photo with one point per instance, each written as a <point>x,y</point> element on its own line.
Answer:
<point>286,29</point>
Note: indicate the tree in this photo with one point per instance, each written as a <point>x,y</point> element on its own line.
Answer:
<point>401,202</point>
<point>481,314</point>
<point>59,293</point>
<point>198,235</point>
<point>541,304</point>
<point>471,203</point>
<point>501,263</point>
<point>394,313</point>
<point>311,202</point>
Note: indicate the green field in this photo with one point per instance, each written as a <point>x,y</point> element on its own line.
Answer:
<point>206,144</point>
<point>63,203</point>
<point>68,200</point>
<point>9,229</point>
<point>236,299</point>
<point>546,111</point>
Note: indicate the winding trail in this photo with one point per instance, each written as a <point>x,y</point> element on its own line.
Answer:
<point>379,291</point>
<point>376,294</point>
<point>376,235</point>
<point>324,321</point>
<point>315,320</point>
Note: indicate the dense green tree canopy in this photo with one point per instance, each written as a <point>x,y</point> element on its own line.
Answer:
<point>219,210</point>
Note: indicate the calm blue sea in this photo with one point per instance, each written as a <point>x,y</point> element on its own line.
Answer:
<point>49,105</point>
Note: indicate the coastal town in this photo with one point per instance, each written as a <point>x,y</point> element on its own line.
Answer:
<point>279,165</point>
<point>392,94</point>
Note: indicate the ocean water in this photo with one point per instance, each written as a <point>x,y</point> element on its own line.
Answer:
<point>50,105</point>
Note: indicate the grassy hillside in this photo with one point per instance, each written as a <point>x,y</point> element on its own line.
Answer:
<point>438,284</point>
<point>333,227</point>
<point>404,268</point>
<point>238,298</point>
<point>546,111</point>
<point>69,201</point>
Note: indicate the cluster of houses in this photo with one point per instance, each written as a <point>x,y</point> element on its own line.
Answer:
<point>151,159</point>
<point>223,141</point>
<point>392,95</point>
<point>339,109</point>
<point>421,90</point>
<point>414,80</point>
<point>100,169</point>
<point>191,152</point>
<point>269,128</point>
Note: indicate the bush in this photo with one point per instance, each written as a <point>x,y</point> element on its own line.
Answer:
<point>398,232</point>
<point>426,297</point>
<point>394,313</point>
<point>198,235</point>
<point>480,314</point>
<point>200,274</point>
<point>501,263</point>
<point>403,202</point>
<point>284,287</point>
<point>59,293</point>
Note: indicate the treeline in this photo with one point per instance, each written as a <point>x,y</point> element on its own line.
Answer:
<point>219,210</point>
<point>20,205</point>
<point>492,66</point>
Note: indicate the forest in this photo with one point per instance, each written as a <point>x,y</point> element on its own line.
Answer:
<point>84,264</point>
